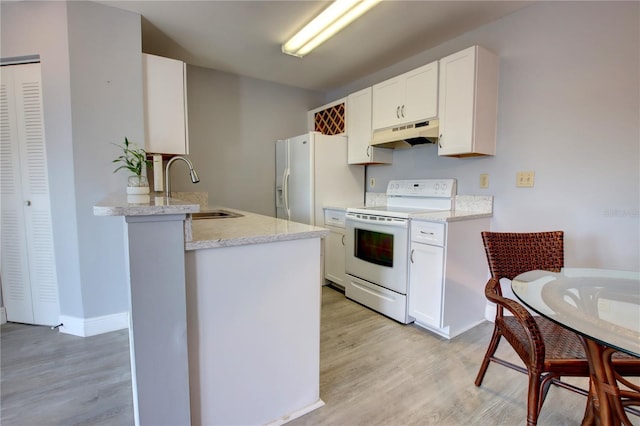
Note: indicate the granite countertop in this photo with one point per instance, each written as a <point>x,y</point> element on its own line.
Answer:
<point>250,228</point>
<point>450,215</point>
<point>342,207</point>
<point>466,207</point>
<point>142,205</point>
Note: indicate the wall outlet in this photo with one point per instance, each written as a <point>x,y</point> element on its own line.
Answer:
<point>372,182</point>
<point>484,180</point>
<point>525,179</point>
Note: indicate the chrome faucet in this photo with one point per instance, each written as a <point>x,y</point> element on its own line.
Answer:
<point>167,181</point>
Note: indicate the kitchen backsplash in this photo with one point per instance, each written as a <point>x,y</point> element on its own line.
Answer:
<point>372,199</point>
<point>201,198</point>
<point>474,203</point>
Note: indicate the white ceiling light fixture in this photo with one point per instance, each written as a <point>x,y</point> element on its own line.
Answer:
<point>334,18</point>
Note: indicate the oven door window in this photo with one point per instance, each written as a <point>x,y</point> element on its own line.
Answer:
<point>374,247</point>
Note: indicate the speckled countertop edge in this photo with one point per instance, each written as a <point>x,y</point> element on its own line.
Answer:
<point>251,228</point>
<point>142,205</point>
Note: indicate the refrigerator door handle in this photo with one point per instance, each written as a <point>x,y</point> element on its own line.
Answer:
<point>285,185</point>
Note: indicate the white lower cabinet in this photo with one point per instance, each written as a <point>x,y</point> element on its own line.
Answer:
<point>425,302</point>
<point>334,249</point>
<point>447,275</point>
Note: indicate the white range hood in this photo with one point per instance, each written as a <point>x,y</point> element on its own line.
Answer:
<point>407,135</point>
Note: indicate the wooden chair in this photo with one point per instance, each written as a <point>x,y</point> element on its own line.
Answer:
<point>547,350</point>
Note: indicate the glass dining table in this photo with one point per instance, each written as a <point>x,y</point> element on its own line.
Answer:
<point>603,307</point>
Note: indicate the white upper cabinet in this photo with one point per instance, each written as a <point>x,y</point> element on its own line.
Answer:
<point>359,131</point>
<point>410,97</point>
<point>468,103</point>
<point>165,105</point>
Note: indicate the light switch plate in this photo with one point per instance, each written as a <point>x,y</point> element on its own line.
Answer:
<point>525,179</point>
<point>484,180</point>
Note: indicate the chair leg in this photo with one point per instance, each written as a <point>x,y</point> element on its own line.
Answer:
<point>533,408</point>
<point>544,386</point>
<point>491,350</point>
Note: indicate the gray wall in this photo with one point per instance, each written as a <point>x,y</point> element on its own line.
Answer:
<point>569,110</point>
<point>233,125</point>
<point>106,105</point>
<point>92,93</point>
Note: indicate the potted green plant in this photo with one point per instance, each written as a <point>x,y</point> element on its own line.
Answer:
<point>133,159</point>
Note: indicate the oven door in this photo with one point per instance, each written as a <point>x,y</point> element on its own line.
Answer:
<point>377,250</point>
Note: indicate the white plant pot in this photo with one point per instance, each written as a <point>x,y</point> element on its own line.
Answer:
<point>137,185</point>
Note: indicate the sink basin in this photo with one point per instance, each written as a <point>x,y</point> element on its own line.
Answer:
<point>214,214</point>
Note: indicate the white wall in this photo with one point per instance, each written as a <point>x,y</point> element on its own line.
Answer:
<point>233,125</point>
<point>568,110</point>
<point>105,53</point>
<point>40,28</point>
<point>92,93</point>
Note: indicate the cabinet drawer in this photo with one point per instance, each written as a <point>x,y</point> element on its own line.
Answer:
<point>334,218</point>
<point>428,232</point>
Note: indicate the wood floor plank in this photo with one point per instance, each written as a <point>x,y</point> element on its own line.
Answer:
<point>50,378</point>
<point>374,371</point>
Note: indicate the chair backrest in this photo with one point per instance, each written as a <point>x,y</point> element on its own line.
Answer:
<point>510,254</point>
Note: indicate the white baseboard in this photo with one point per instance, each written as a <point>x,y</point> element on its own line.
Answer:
<point>85,327</point>
<point>3,315</point>
<point>299,413</point>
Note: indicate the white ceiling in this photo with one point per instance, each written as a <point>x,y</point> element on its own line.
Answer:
<point>244,37</point>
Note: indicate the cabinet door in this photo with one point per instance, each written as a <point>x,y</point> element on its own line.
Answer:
<point>457,84</point>
<point>334,256</point>
<point>468,103</point>
<point>388,98</point>
<point>359,131</point>
<point>426,284</point>
<point>421,94</point>
<point>165,105</point>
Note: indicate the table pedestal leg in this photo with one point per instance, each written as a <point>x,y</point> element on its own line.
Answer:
<point>605,403</point>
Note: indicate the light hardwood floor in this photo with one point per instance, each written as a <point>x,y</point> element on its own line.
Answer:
<point>50,378</point>
<point>374,371</point>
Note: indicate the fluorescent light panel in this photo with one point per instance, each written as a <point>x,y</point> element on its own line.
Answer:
<point>334,18</point>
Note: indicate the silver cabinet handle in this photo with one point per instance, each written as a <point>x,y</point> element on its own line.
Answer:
<point>27,203</point>
<point>398,111</point>
<point>427,233</point>
<point>368,150</point>
<point>411,255</point>
<point>342,239</point>
<point>402,111</point>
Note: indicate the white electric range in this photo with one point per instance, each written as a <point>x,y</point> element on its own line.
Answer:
<point>377,243</point>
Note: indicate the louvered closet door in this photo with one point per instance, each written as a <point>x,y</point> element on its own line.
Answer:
<point>29,283</point>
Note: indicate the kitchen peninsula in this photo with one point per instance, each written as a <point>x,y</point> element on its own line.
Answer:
<point>225,323</point>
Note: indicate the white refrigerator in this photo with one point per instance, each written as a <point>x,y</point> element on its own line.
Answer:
<point>312,173</point>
